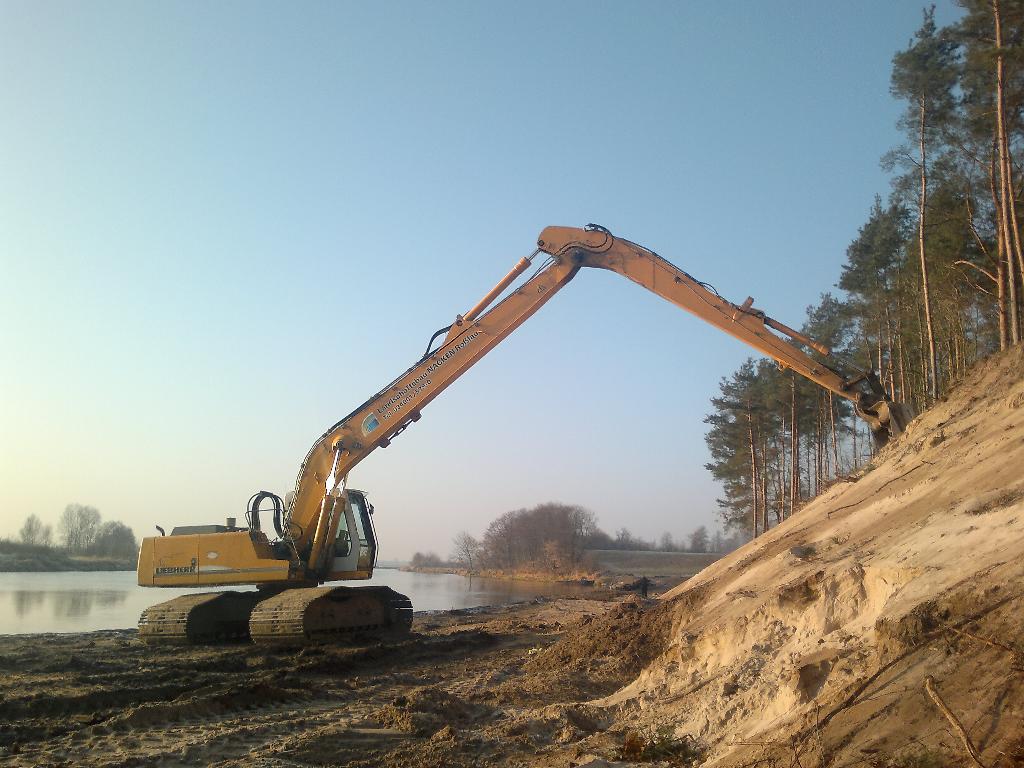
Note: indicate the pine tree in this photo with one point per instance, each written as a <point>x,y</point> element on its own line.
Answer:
<point>924,75</point>
<point>992,84</point>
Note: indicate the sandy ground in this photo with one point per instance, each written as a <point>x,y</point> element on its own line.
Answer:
<point>477,687</point>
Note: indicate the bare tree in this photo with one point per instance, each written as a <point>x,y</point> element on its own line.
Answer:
<point>699,540</point>
<point>79,526</point>
<point>554,556</point>
<point>466,550</point>
<point>115,539</point>
<point>34,533</point>
<point>426,560</point>
<point>717,542</point>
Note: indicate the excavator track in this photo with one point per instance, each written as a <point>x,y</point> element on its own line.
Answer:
<point>324,613</point>
<point>209,617</point>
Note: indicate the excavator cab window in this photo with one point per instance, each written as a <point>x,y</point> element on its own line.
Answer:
<point>364,529</point>
<point>343,544</point>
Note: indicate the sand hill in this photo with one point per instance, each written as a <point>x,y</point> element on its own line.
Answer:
<point>812,645</point>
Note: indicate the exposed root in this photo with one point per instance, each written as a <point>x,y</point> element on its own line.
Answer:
<point>929,685</point>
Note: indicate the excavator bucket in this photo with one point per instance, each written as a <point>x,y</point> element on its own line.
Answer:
<point>900,415</point>
<point>886,418</point>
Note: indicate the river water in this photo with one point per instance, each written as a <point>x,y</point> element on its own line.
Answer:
<point>87,601</point>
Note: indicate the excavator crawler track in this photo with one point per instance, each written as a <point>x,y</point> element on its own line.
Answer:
<point>325,613</point>
<point>209,617</point>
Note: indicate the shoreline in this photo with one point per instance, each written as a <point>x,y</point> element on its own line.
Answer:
<point>613,569</point>
<point>588,580</point>
<point>426,617</point>
<point>74,566</point>
<point>610,583</point>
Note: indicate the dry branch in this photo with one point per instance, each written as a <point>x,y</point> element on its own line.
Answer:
<point>929,685</point>
<point>985,640</point>
<point>854,696</point>
<point>1018,657</point>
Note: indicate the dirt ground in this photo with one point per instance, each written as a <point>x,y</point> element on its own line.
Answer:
<point>488,686</point>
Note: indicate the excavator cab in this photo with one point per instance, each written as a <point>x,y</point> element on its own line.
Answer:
<point>355,546</point>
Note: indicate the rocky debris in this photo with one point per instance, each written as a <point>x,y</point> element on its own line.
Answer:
<point>429,710</point>
<point>619,642</point>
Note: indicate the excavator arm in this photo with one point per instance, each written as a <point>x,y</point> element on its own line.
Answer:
<point>597,247</point>
<point>315,511</point>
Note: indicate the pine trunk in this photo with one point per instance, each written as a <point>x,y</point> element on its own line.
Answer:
<point>753,471</point>
<point>933,386</point>
<point>1001,295</point>
<point>903,378</point>
<point>923,361</point>
<point>794,483</point>
<point>817,445</point>
<point>764,479</point>
<point>1006,171</point>
<point>780,473</point>
<point>835,437</point>
<point>888,351</point>
<point>853,432</point>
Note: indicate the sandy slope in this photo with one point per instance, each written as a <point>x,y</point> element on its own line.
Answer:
<point>811,645</point>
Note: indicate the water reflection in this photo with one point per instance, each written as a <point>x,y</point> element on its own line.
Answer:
<point>72,601</point>
<point>66,604</point>
<point>73,604</point>
<point>26,601</point>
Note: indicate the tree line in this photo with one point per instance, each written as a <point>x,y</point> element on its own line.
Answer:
<point>698,540</point>
<point>554,538</point>
<point>81,531</point>
<point>933,281</point>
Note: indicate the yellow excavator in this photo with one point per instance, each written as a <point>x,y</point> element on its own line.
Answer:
<point>324,530</point>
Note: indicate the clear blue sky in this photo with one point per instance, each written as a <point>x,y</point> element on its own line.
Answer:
<point>224,225</point>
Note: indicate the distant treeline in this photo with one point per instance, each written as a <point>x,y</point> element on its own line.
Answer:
<point>552,538</point>
<point>933,281</point>
<point>18,557</point>
<point>81,531</point>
